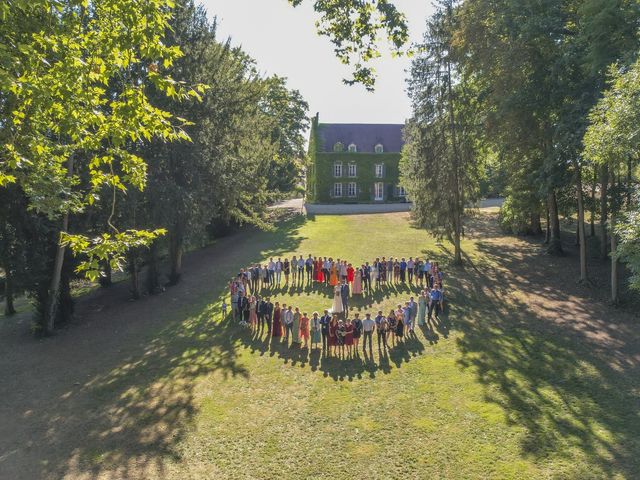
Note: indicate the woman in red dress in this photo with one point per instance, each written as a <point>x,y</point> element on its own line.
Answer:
<point>348,338</point>
<point>277,325</point>
<point>333,331</point>
<point>319,275</point>
<point>350,273</point>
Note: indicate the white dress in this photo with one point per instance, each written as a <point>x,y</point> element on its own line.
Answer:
<point>337,301</point>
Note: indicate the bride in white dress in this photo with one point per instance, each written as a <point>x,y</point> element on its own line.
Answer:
<point>337,300</point>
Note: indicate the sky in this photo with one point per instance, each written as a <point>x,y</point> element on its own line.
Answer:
<point>284,42</point>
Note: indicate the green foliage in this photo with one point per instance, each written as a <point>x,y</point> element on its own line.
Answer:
<point>322,178</point>
<point>628,251</point>
<point>78,86</point>
<point>354,28</point>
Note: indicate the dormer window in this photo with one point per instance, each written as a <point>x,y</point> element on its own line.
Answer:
<point>379,148</point>
<point>338,147</point>
<point>353,148</point>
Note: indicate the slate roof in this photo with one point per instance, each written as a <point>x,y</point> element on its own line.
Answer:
<point>365,136</point>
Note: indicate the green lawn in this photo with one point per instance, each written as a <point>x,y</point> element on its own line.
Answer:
<point>502,389</point>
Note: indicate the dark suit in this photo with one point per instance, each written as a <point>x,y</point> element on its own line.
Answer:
<point>366,277</point>
<point>267,313</point>
<point>325,320</point>
<point>344,295</point>
<point>243,308</point>
<point>260,313</point>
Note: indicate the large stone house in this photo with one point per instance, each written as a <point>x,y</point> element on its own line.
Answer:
<point>354,163</point>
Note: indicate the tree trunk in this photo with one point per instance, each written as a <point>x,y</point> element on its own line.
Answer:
<point>581,232</point>
<point>51,310</point>
<point>153,282</point>
<point>555,243</point>
<point>614,263</point>
<point>592,221</point>
<point>456,242</point>
<point>629,178</point>
<point>105,279</point>
<point>175,254</point>
<point>547,235</point>
<point>604,183</point>
<point>536,228</point>
<point>9,308</point>
<point>134,269</point>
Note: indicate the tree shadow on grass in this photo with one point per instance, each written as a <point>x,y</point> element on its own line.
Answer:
<point>571,389</point>
<point>137,366</point>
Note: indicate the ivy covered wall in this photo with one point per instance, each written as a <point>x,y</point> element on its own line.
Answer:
<point>321,178</point>
<point>365,178</point>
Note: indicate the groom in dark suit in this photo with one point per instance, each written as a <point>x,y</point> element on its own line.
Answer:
<point>344,295</point>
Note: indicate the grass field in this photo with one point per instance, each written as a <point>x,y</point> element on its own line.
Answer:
<point>527,377</point>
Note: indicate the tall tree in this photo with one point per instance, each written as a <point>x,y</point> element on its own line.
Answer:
<point>65,124</point>
<point>439,163</point>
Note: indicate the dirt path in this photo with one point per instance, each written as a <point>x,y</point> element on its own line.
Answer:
<point>50,389</point>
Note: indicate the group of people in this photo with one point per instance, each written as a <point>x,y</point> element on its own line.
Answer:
<point>327,271</point>
<point>335,330</point>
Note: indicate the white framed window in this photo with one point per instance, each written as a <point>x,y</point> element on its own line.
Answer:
<point>337,170</point>
<point>337,189</point>
<point>353,148</point>
<point>379,170</point>
<point>353,170</point>
<point>352,189</point>
<point>338,147</point>
<point>400,191</point>
<point>379,148</point>
<point>378,191</point>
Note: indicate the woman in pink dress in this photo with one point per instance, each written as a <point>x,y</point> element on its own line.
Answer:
<point>277,324</point>
<point>357,282</point>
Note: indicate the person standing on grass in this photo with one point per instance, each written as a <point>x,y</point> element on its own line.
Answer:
<point>403,270</point>
<point>326,269</point>
<point>348,336</point>
<point>243,307</point>
<point>308,265</point>
<point>333,334</point>
<point>317,335</point>
<point>410,268</point>
<point>351,272</point>
<point>234,299</point>
<point>413,311</point>
<point>400,323</point>
<point>392,326</point>
<point>271,271</point>
<point>301,264</point>
<point>368,327</point>
<point>278,272</point>
<point>406,317</point>
<point>366,277</point>
<point>253,317</point>
<point>381,328</point>
<point>337,300</point>
<point>423,301</point>
<point>325,321</point>
<point>340,337</point>
<point>288,322</point>
<point>294,270</point>
<point>304,329</point>
<point>295,327</point>
<point>268,313</point>
<point>357,281</point>
<point>276,331</point>
<point>375,274</point>
<point>357,332</point>
<point>286,268</point>
<point>259,313</point>
<point>382,272</point>
<point>344,295</point>
<point>434,303</point>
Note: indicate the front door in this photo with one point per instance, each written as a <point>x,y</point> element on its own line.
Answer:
<point>379,191</point>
